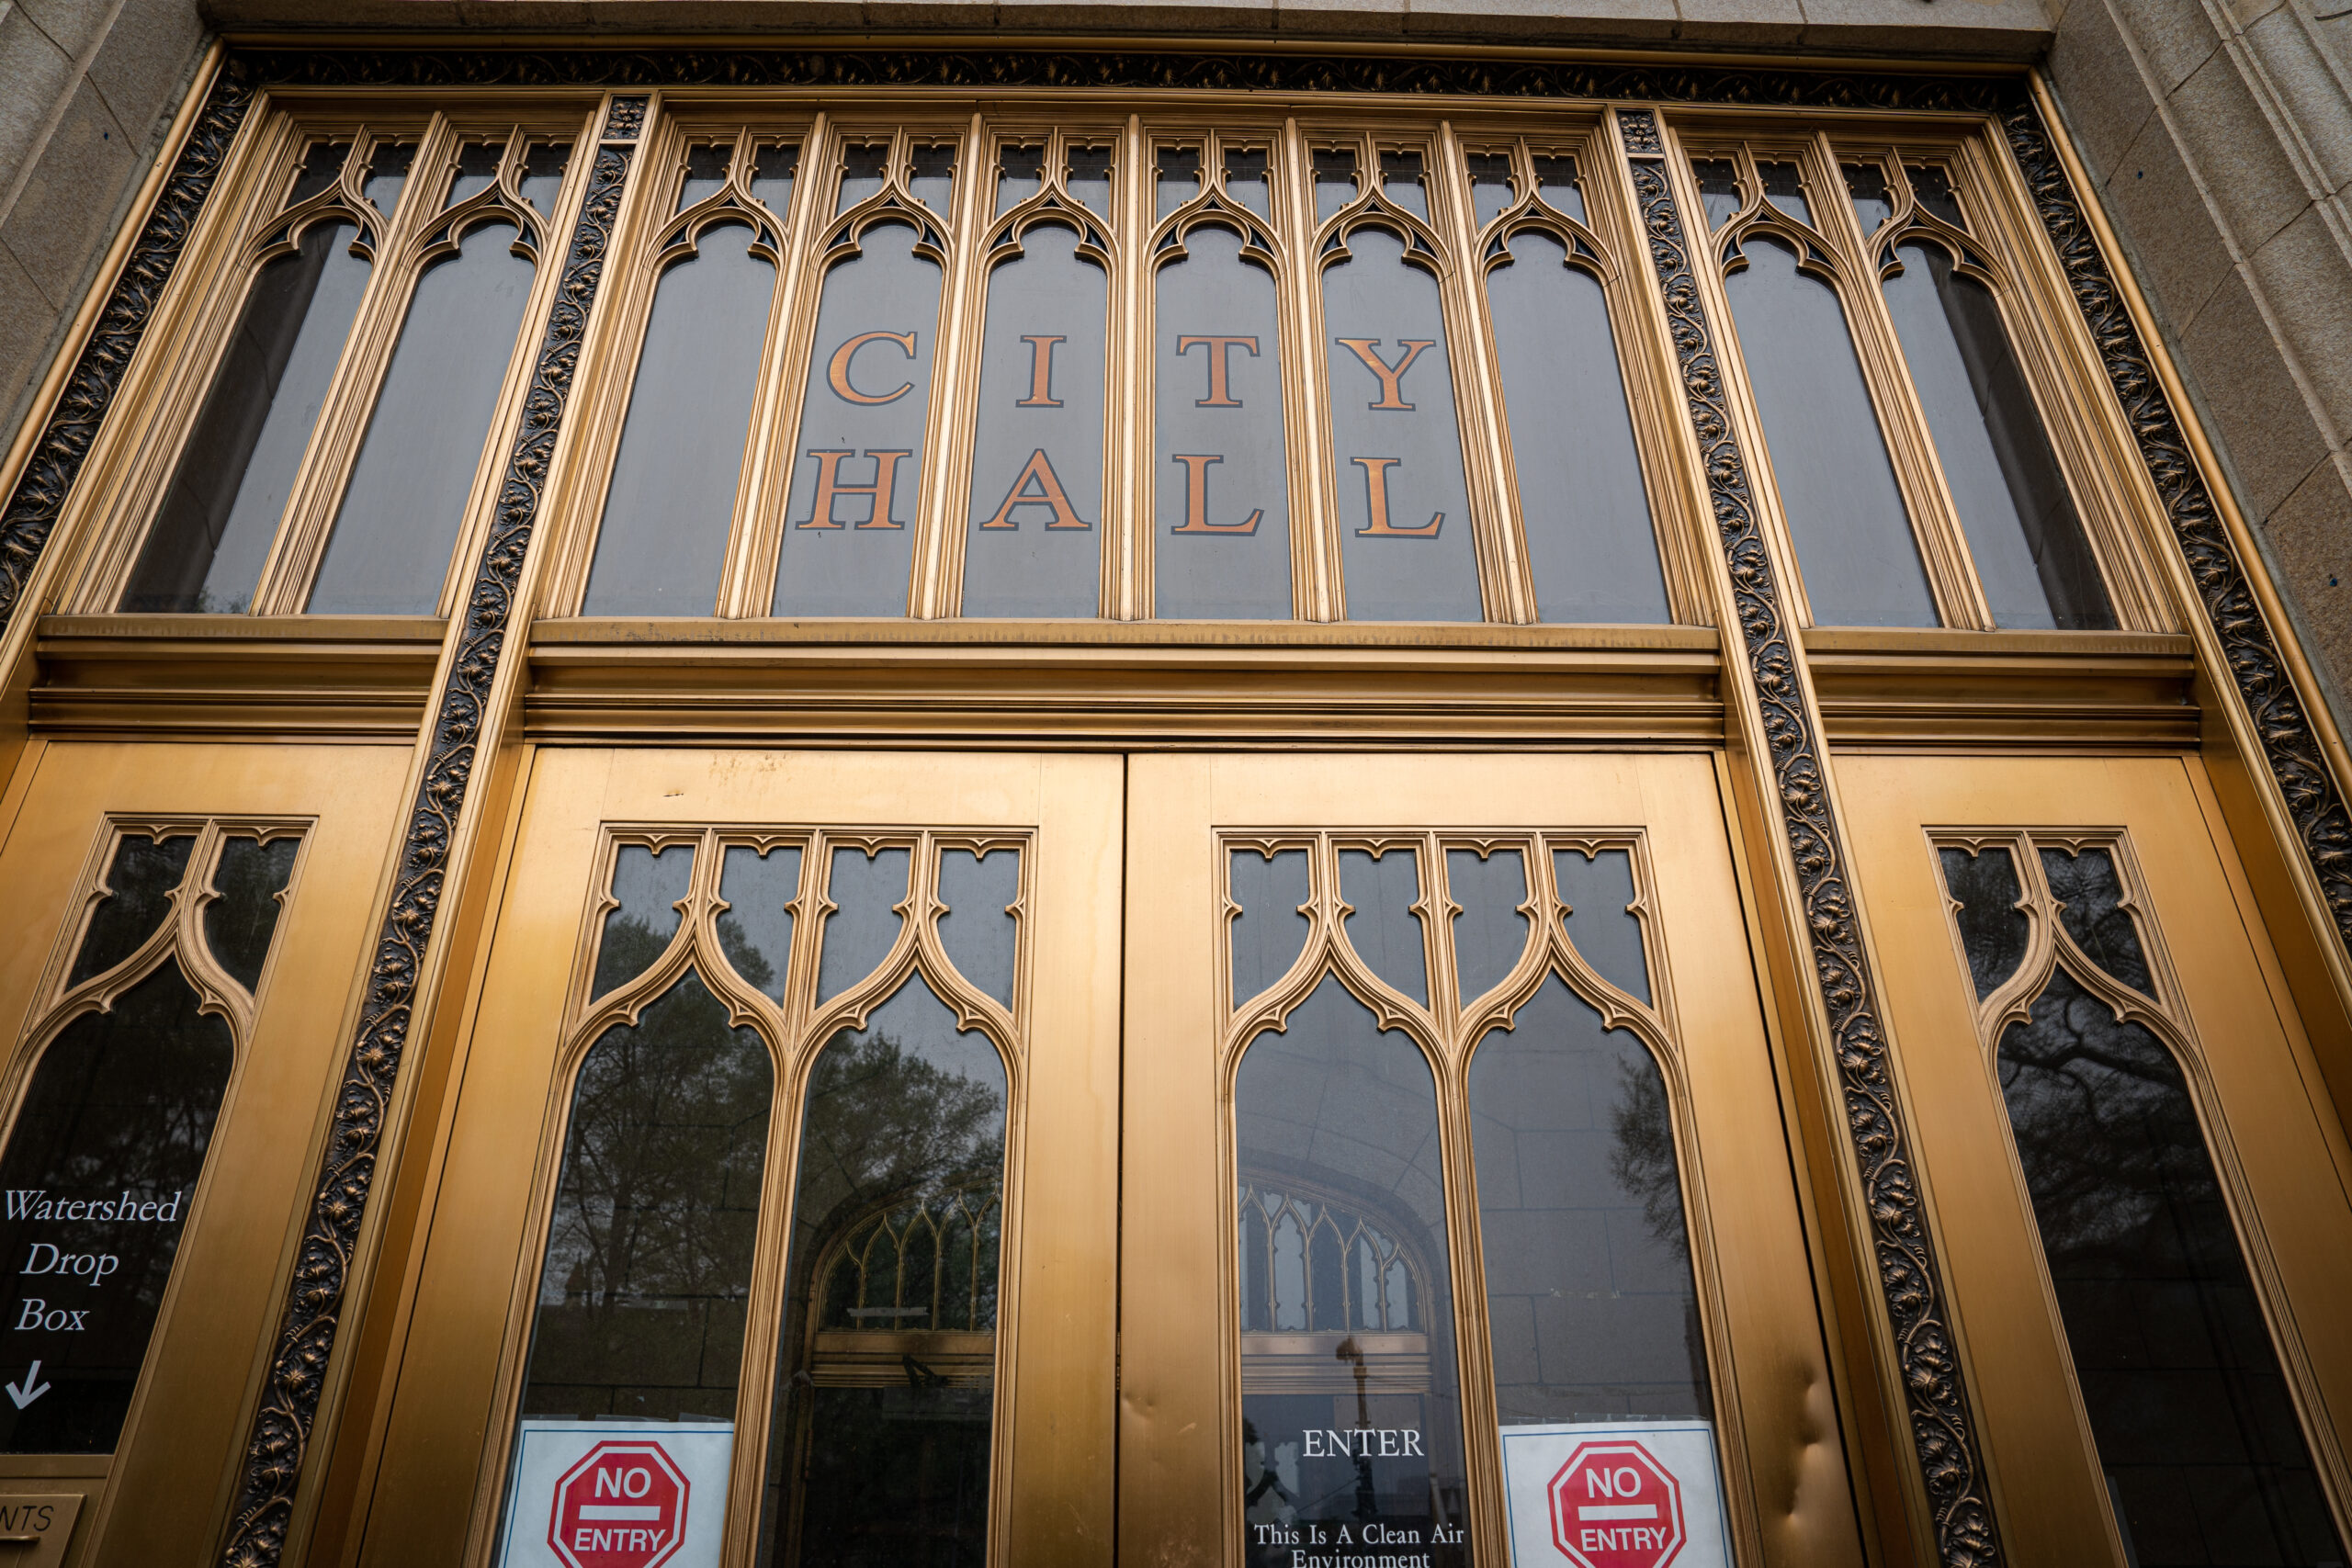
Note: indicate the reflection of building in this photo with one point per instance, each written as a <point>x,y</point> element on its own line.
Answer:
<point>1100,789</point>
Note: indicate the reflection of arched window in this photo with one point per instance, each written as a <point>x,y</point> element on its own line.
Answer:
<point>1313,1266</point>
<point>886,1369</point>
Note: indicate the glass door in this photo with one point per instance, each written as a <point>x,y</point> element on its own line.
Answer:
<point>776,1221</point>
<point>1458,1224</point>
<point>2140,1200</point>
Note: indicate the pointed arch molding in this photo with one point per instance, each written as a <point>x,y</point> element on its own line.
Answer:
<point>2250,647</point>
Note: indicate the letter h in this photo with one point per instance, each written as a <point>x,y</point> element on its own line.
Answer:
<point>829,488</point>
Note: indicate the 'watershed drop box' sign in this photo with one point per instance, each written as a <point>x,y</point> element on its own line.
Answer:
<point>1615,1494</point>
<point>618,1495</point>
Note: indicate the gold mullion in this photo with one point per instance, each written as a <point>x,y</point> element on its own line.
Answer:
<point>1503,581</point>
<point>311,506</point>
<point>1123,344</point>
<point>1127,578</point>
<point>947,434</point>
<point>1316,591</point>
<point>1910,445</point>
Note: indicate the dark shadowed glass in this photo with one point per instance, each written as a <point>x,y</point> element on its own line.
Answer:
<point>1034,544</point>
<point>1222,507</point>
<point>756,930</point>
<point>2090,905</point>
<point>1401,181</point>
<point>1381,924</point>
<point>1176,177</point>
<point>1088,176</point>
<point>1603,930</point>
<point>1582,505</point>
<point>1335,180</point>
<point>1350,1410</point>
<point>886,1371</point>
<point>649,1262</point>
<point>979,930</point>
<point>250,877</point>
<point>1244,179</point>
<point>1852,532</point>
<point>2195,1423</point>
<point>866,892</point>
<point>1020,175</point>
<point>2023,533</point>
<point>1993,931</point>
<point>1588,1261</point>
<point>931,176</point>
<point>1270,933</point>
<point>1556,183</point>
<point>672,502</point>
<point>1718,188</point>
<point>101,1168</point>
<point>647,887</point>
<point>863,171</point>
<point>1491,931</point>
<point>222,510</point>
<point>1492,186</point>
<point>406,500</point>
<point>1873,201</point>
<point>857,469</point>
<point>1404,504</point>
<point>139,889</point>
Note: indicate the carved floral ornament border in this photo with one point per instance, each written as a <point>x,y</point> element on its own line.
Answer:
<point>2249,646</point>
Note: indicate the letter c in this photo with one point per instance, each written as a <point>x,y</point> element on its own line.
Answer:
<point>837,371</point>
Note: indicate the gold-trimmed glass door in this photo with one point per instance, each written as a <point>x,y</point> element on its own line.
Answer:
<point>1457,1198</point>
<point>2140,1200</point>
<point>777,1223</point>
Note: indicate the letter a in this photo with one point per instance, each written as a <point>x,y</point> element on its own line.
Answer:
<point>1038,471</point>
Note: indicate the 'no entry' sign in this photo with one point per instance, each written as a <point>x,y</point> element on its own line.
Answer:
<point>623,1505</point>
<point>1614,1505</point>
<point>1635,1494</point>
<point>618,1495</point>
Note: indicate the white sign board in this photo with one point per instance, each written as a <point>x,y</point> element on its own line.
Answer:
<point>1637,1494</point>
<point>618,1495</point>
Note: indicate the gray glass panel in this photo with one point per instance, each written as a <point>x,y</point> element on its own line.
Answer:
<point>476,170</point>
<point>1931,187</point>
<point>1404,504</point>
<point>672,502</point>
<point>1556,183</point>
<point>1176,177</point>
<point>1994,931</point>
<point>1853,535</point>
<point>1582,503</point>
<point>2023,534</point>
<point>1382,925</point>
<point>139,899</point>
<point>1224,497</point>
<point>100,1170</point>
<point>1089,178</point>
<point>322,164</point>
<point>1588,1261</point>
<point>774,168</point>
<point>221,515</point>
<point>388,166</point>
<point>862,171</point>
<point>1035,543</point>
<point>885,1370</point>
<point>1244,179</point>
<point>756,929</point>
<point>1491,186</point>
<point>389,550</point>
<point>648,1265</point>
<point>1491,932</point>
<point>542,174</point>
<point>931,177</point>
<point>2194,1420</point>
<point>238,925</point>
<point>1350,1410</point>
<point>647,888</point>
<point>2090,905</point>
<point>1270,933</point>
<point>1600,923</point>
<point>864,925</point>
<point>1020,175</point>
<point>706,173</point>
<point>1718,188</point>
<point>1335,180</point>
<point>979,931</point>
<point>1785,188</point>
<point>857,471</point>
<point>1401,182</point>
<point>1873,202</point>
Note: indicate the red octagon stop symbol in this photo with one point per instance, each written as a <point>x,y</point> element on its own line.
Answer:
<point>1614,1506</point>
<point>623,1505</point>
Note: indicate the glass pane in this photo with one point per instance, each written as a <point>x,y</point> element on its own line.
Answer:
<point>706,173</point>
<point>1601,926</point>
<point>1036,542</point>
<point>1335,180</point>
<point>648,886</point>
<point>100,1172</point>
<point>756,930</point>
<point>1089,178</point>
<point>1382,925</point>
<point>1177,177</point>
<point>2194,1421</point>
<point>1853,535</point>
<point>1020,175</point>
<point>1244,179</point>
<point>221,515</point>
<point>1350,1410</point>
<point>1993,930</point>
<point>476,170</point>
<point>2090,905</point>
<point>1931,187</point>
<point>2026,541</point>
<point>863,171</point>
<point>251,878</point>
<point>774,168</point>
<point>848,546</point>
<point>671,503</point>
<point>1873,203</point>
<point>322,164</point>
<point>1224,496</point>
<point>1491,184</point>
<point>1587,1262</point>
<point>1404,503</point>
<point>1556,182</point>
<point>979,930</point>
<point>1718,188</point>
<point>648,1263</point>
<point>932,177</point>
<point>866,892</point>
<point>391,547</point>
<point>388,166</point>
<point>139,889</point>
<point>1269,931</point>
<point>1401,182</point>
<point>1582,503</point>
<point>542,174</point>
<point>1491,931</point>
<point>1785,188</point>
<point>885,1372</point>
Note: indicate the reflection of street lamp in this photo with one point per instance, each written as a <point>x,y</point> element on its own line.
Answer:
<point>1348,1352</point>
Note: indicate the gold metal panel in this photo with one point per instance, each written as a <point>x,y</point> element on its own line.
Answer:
<point>1181,1344</point>
<point>164,1486</point>
<point>2276,1145</point>
<point>441,1476</point>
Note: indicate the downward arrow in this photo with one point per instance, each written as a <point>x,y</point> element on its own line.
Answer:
<point>33,1389</point>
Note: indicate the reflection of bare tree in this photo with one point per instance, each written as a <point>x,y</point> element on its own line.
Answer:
<point>744,954</point>
<point>1642,1161</point>
<point>629,947</point>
